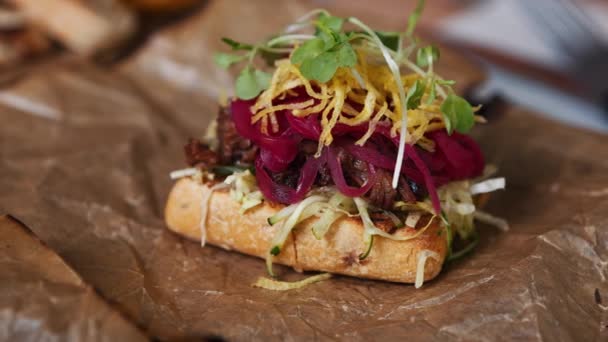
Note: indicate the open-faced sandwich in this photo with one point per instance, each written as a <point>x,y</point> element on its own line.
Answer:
<point>350,156</point>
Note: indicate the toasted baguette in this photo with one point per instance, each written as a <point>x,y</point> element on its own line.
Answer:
<point>337,252</point>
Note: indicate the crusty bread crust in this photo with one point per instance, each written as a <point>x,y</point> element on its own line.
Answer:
<point>337,252</point>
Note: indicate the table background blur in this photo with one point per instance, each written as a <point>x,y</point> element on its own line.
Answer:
<point>522,66</point>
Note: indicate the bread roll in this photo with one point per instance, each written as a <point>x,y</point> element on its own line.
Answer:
<point>337,252</point>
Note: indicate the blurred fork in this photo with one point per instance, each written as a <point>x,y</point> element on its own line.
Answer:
<point>568,28</point>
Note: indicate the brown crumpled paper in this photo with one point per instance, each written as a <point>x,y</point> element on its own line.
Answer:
<point>42,298</point>
<point>84,159</point>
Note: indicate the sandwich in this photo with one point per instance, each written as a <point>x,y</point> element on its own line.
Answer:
<point>345,153</point>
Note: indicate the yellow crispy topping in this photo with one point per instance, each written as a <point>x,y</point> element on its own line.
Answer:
<point>368,86</point>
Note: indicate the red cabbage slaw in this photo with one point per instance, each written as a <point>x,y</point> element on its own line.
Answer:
<point>456,156</point>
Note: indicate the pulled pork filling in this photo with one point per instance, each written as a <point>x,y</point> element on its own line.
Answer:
<point>232,148</point>
<point>235,150</point>
<point>289,163</point>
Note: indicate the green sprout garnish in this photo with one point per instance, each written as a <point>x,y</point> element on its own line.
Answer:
<point>466,250</point>
<point>319,45</point>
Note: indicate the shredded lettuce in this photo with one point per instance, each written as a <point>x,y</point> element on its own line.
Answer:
<point>205,200</point>
<point>412,219</point>
<point>422,257</point>
<point>244,190</point>
<point>329,206</point>
<point>251,200</point>
<point>458,207</point>
<point>281,236</point>
<point>275,285</point>
<point>325,221</point>
<point>464,208</point>
<point>282,214</point>
<point>293,219</point>
<point>488,185</point>
<point>368,241</point>
<point>396,220</point>
<point>338,207</point>
<point>498,222</point>
<point>466,250</point>
<point>369,229</point>
<point>191,171</point>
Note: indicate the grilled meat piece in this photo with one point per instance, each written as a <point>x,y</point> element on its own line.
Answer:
<point>233,149</point>
<point>236,150</point>
<point>199,154</point>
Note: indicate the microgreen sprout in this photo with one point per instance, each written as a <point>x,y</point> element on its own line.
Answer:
<point>321,53</point>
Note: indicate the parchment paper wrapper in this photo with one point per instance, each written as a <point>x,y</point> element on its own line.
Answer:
<point>43,298</point>
<point>85,154</point>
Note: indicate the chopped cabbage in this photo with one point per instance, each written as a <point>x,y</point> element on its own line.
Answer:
<point>338,207</point>
<point>288,225</point>
<point>244,190</point>
<point>396,220</point>
<point>191,171</point>
<point>206,199</point>
<point>412,219</point>
<point>458,207</point>
<point>275,285</point>
<point>251,200</point>
<point>422,257</point>
<point>369,229</point>
<point>498,222</point>
<point>322,225</point>
<point>488,185</point>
